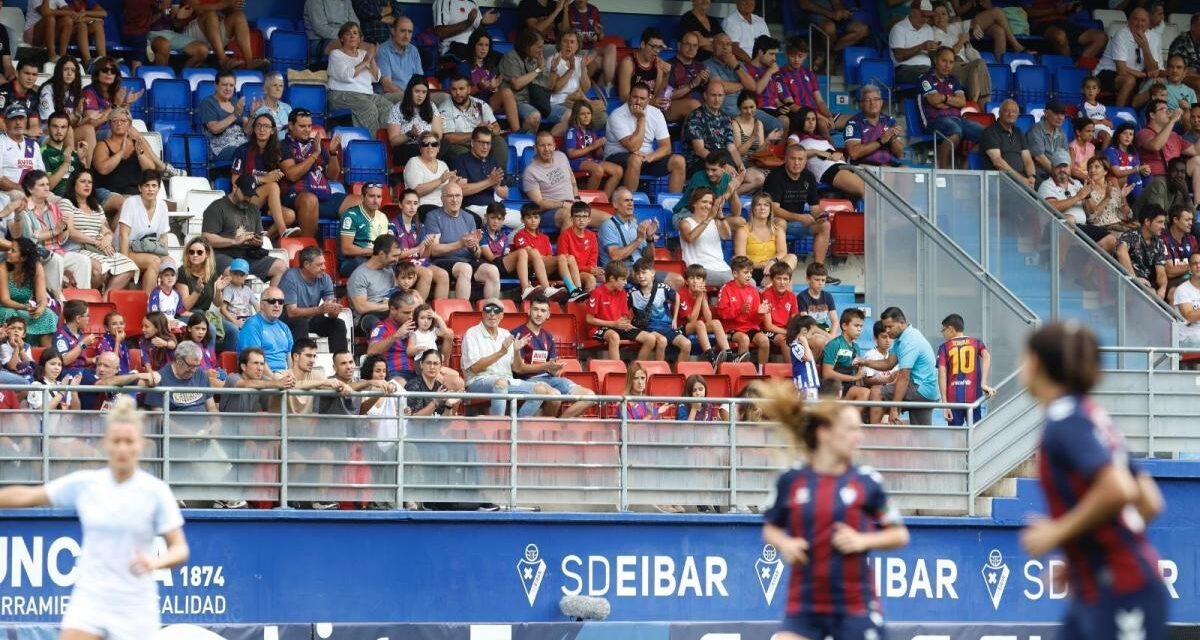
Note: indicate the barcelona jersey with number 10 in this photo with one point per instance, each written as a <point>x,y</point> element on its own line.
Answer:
<point>960,356</point>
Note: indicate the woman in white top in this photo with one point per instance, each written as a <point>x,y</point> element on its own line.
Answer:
<point>426,175</point>
<point>272,102</point>
<point>121,510</point>
<point>352,70</point>
<point>144,228</point>
<point>825,162</point>
<point>569,84</point>
<point>700,236</point>
<point>969,66</point>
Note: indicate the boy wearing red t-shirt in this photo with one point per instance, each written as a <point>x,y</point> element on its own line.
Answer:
<point>740,308</point>
<point>608,311</point>
<point>695,316</point>
<point>781,306</point>
<point>581,243</point>
<point>539,244</point>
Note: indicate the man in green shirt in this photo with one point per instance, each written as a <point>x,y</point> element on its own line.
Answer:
<point>838,361</point>
<point>718,179</point>
<point>55,151</point>
<point>361,224</point>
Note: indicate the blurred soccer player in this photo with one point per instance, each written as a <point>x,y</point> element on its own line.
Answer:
<point>1098,503</point>
<point>121,509</point>
<point>827,514</point>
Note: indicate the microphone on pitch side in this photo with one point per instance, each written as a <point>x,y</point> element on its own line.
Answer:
<point>584,608</point>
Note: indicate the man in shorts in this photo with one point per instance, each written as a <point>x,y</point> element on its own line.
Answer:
<point>307,167</point>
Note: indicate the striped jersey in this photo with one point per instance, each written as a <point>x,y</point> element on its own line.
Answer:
<point>804,371</point>
<point>396,355</point>
<point>806,505</point>
<point>964,377</point>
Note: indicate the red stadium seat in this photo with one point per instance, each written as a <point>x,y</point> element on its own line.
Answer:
<point>132,305</point>
<point>746,381</point>
<point>135,359</point>
<point>777,370</point>
<point>585,379</point>
<point>693,368</point>
<point>571,365</point>
<point>718,386</point>
<point>671,266</point>
<point>655,367</point>
<point>566,334</point>
<point>87,295</point>
<point>294,245</point>
<point>592,197</point>
<point>603,367</point>
<point>665,385</point>
<point>96,313</point>
<point>229,361</point>
<point>36,352</point>
<point>736,370</point>
<point>446,307</point>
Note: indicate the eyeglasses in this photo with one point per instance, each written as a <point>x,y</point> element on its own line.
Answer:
<point>493,309</point>
<point>273,300</point>
<point>657,47</point>
<point>190,365</point>
<point>108,69</point>
<point>432,144</point>
<point>196,252</point>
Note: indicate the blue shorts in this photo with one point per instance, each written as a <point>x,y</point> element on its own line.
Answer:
<point>328,209</point>
<point>950,126</point>
<point>958,417</point>
<point>813,626</point>
<point>558,383</point>
<point>1138,615</point>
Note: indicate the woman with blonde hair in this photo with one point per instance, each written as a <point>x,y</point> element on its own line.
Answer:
<point>763,239</point>
<point>121,510</point>
<point>827,514</point>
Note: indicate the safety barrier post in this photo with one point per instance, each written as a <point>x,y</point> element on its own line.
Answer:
<point>401,428</point>
<point>970,462</point>
<point>733,417</point>
<point>624,506</point>
<point>45,392</point>
<point>166,429</point>
<point>512,455</point>
<point>1150,402</point>
<point>283,450</point>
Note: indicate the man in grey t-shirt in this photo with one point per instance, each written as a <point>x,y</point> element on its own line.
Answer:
<point>456,246</point>
<point>549,181</point>
<point>1047,138</point>
<point>372,282</point>
<point>310,304</point>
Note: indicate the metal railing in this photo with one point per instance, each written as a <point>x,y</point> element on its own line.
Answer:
<point>282,458</point>
<point>828,38</point>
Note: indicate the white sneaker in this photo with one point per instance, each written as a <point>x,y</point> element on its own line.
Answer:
<point>529,291</point>
<point>552,292</point>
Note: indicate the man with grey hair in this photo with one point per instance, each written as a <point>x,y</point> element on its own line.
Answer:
<point>310,303</point>
<point>266,331</point>
<point>1132,55</point>
<point>457,246</point>
<point>398,60</point>
<point>623,238</point>
<point>1003,146</point>
<point>872,136</point>
<point>184,371</point>
<point>487,357</point>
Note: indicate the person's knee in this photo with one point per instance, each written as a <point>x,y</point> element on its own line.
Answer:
<point>501,384</point>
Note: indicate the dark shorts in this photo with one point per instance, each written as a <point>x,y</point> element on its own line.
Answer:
<point>832,172</point>
<point>260,268</point>
<point>1108,80</point>
<point>817,627</point>
<point>657,168</point>
<point>448,264</point>
<point>504,272</point>
<point>1072,29</point>
<point>666,332</point>
<point>958,417</point>
<point>1094,232</point>
<point>328,209</point>
<point>625,334</point>
<point>749,334</point>
<point>1138,615</point>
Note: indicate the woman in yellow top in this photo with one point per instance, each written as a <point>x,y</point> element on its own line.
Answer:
<point>762,239</point>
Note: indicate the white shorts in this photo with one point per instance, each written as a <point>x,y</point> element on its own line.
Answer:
<point>109,622</point>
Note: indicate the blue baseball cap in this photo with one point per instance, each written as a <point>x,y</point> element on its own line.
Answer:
<point>239,265</point>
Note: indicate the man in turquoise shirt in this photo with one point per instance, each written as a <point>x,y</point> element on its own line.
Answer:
<point>916,379</point>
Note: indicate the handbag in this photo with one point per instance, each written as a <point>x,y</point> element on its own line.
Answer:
<point>539,98</point>
<point>149,244</point>
<point>768,156</point>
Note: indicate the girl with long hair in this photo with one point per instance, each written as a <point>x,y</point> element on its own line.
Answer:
<point>484,73</point>
<point>260,157</point>
<point>62,92</point>
<point>409,119</point>
<point>584,143</point>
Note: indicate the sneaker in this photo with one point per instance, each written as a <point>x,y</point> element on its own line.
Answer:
<point>832,280</point>
<point>724,356</point>
<point>173,172</point>
<point>552,292</point>
<point>325,506</point>
<point>529,291</point>
<point>742,357</point>
<point>230,504</point>
<point>578,295</point>
<point>289,232</point>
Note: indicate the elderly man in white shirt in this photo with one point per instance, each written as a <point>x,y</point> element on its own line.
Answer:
<point>743,27</point>
<point>19,154</point>
<point>911,42</point>
<point>487,356</point>
<point>1131,57</point>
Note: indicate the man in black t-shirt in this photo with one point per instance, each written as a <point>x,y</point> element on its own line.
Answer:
<point>792,188</point>
<point>542,16</point>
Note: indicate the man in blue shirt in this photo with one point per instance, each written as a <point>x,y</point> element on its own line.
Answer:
<point>267,331</point>
<point>398,60</point>
<point>623,238</point>
<point>917,378</point>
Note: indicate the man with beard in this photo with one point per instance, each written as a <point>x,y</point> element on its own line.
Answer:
<point>463,113</point>
<point>307,168</point>
<point>372,282</point>
<point>233,226</point>
<point>21,92</point>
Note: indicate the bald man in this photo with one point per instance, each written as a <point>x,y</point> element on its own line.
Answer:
<point>267,331</point>
<point>457,247</point>
<point>1004,147</point>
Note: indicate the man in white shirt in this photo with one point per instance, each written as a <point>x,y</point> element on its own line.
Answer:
<point>1067,196</point>
<point>18,154</point>
<point>1187,300</point>
<point>462,113</point>
<point>911,41</point>
<point>743,26</point>
<point>453,22</point>
<point>1130,58</point>
<point>638,140</point>
<point>487,356</point>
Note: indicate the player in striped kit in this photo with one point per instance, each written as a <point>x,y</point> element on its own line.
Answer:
<point>804,366</point>
<point>1098,503</point>
<point>963,363</point>
<point>827,514</point>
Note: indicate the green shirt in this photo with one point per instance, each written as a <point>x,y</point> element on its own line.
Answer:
<point>356,223</point>
<point>700,179</point>
<point>841,354</point>
<point>53,159</point>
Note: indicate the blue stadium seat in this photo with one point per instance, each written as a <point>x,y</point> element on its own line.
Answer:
<point>975,160</point>
<point>1001,76</point>
<point>526,158</point>
<point>204,89</point>
<point>196,75</point>
<point>1024,122</point>
<point>242,76</point>
<point>171,104</point>
<point>640,197</point>
<point>519,141</point>
<point>1017,60</point>
<point>268,26</point>
<point>851,57</point>
<point>287,50</point>
<point>151,73</point>
<point>188,151</point>
<point>252,91</point>
<point>647,211</point>
<point>308,96</point>
<point>877,72</point>
<point>1032,83</point>
<point>1068,85</point>
<point>1054,62</point>
<point>366,161</point>
<point>501,47</point>
<point>138,108</point>
<point>988,57</point>
<point>1126,114</point>
<point>350,134</point>
<point>914,124</point>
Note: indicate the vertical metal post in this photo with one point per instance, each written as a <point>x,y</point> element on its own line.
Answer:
<point>401,429</point>
<point>1055,276</point>
<point>970,462</point>
<point>1150,402</point>
<point>166,429</point>
<point>512,454</point>
<point>45,391</point>
<point>733,466</point>
<point>283,450</point>
<point>1120,319</point>
<point>624,505</point>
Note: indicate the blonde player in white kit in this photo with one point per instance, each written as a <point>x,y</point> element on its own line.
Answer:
<point>121,510</point>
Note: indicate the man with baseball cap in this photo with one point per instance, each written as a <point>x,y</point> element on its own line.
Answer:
<point>233,226</point>
<point>1067,196</point>
<point>1046,138</point>
<point>18,154</point>
<point>911,41</point>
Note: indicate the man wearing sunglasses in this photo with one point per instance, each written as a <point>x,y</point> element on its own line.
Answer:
<point>307,168</point>
<point>487,356</point>
<point>267,331</point>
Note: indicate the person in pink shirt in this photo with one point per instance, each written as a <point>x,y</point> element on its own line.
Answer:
<point>1159,144</point>
<point>1082,147</point>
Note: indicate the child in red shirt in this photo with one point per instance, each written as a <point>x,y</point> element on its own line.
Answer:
<point>695,316</point>
<point>608,311</point>
<point>781,306</point>
<point>538,244</point>
<point>740,308</point>
<point>581,243</point>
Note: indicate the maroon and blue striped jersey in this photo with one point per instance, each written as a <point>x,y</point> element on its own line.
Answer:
<point>1114,557</point>
<point>806,505</point>
<point>964,375</point>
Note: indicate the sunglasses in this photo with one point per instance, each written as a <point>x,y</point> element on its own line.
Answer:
<point>273,300</point>
<point>431,144</point>
<point>196,252</point>
<point>493,309</point>
<point>108,69</point>
<point>301,113</point>
<point>372,185</point>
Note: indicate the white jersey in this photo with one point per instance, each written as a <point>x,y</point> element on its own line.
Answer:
<point>118,521</point>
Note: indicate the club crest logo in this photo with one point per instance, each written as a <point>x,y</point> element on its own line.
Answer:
<point>995,577</point>
<point>769,569</point>
<point>532,570</point>
<point>848,495</point>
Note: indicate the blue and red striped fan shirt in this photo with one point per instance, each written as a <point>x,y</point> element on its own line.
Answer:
<point>964,376</point>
